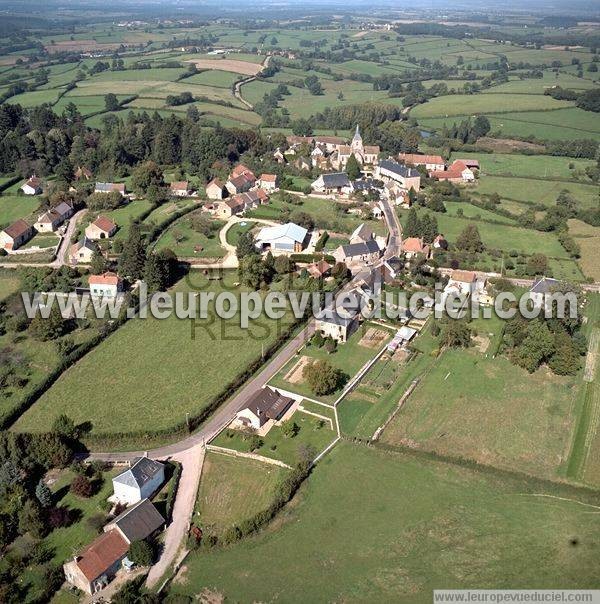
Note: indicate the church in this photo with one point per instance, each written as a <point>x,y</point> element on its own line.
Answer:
<point>366,155</point>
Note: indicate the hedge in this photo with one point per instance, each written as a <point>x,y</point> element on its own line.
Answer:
<point>309,258</point>
<point>172,491</point>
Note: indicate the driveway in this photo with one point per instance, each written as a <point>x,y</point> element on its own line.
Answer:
<point>66,240</point>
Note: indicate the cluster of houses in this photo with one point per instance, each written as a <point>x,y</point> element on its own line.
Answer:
<point>92,569</point>
<point>241,192</point>
<point>327,152</point>
<point>460,170</point>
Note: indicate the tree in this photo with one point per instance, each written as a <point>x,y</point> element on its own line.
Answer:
<point>98,263</point>
<point>456,334</point>
<point>81,486</point>
<point>537,264</point>
<point>290,428</point>
<point>429,229</point>
<point>48,329</point>
<point>566,359</point>
<point>283,265</point>
<point>133,258</point>
<point>111,102</point>
<point>31,521</point>
<point>43,494</point>
<point>246,246</point>
<point>141,552</point>
<point>157,272</point>
<point>146,175</point>
<point>64,426</point>
<point>353,168</point>
<point>470,239</point>
<point>253,272</point>
<point>301,127</point>
<point>481,126</point>
<point>322,377</point>
<point>304,219</point>
<point>412,228</point>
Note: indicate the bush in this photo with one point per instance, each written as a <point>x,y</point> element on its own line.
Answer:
<point>141,552</point>
<point>82,486</point>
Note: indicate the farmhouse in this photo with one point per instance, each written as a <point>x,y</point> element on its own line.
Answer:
<point>264,405</point>
<point>366,251</point>
<point>139,481</point>
<point>456,172</point>
<point>15,235</point>
<point>108,285</point>
<point>240,180</point>
<point>101,228</point>
<point>414,246</point>
<point>392,269</point>
<point>472,164</point>
<point>362,233</point>
<point>320,269</point>
<point>279,157</point>
<point>230,207</point>
<point>334,325</point>
<point>180,188</point>
<point>97,564</point>
<point>215,189</point>
<point>49,221</point>
<point>431,162</point>
<point>82,251</point>
<point>137,522</point>
<point>33,186</point>
<point>110,187</point>
<point>461,283</point>
<point>407,178</point>
<point>287,237</point>
<point>268,182</point>
<point>337,182</point>
<point>543,286</point>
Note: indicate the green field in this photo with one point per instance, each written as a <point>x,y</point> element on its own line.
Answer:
<point>378,526</point>
<point>9,283</point>
<point>188,243</point>
<point>491,416</point>
<point>233,489</point>
<point>14,207</point>
<point>157,389</point>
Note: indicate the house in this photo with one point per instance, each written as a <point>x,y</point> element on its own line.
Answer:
<point>33,186</point>
<point>241,170</point>
<point>95,566</point>
<point>363,232</point>
<point>49,221</point>
<point>336,325</point>
<point>137,522</point>
<point>215,189</point>
<point>139,481</point>
<point>456,172</point>
<point>279,157</point>
<point>366,252</point>
<point>15,235</point>
<point>396,194</point>
<point>376,208</point>
<point>82,251</point>
<point>392,269</point>
<point>543,286</point>
<point>440,243</point>
<point>336,182</point>
<point>101,228</point>
<point>431,162</point>
<point>320,269</point>
<point>110,187</point>
<point>82,173</point>
<point>229,207</point>
<point>239,184</point>
<point>408,178</point>
<point>180,188</point>
<point>108,285</point>
<point>263,405</point>
<point>462,282</point>
<point>367,185</point>
<point>302,164</point>
<point>287,237</point>
<point>268,182</point>
<point>414,246</point>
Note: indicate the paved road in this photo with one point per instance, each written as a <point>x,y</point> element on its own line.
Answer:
<point>66,240</point>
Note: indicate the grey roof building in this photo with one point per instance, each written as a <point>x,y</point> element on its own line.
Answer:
<point>137,522</point>
<point>139,481</point>
<point>399,169</point>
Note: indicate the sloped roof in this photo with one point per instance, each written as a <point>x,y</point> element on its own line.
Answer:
<point>267,403</point>
<point>358,249</point>
<point>107,278</point>
<point>290,229</point>
<point>63,207</point>
<point>144,469</point>
<point>333,317</point>
<point>399,169</point>
<point>104,224</point>
<point>216,182</point>
<point>34,182</point>
<point>85,242</point>
<point>463,276</point>
<point>16,229</point>
<point>109,187</point>
<point>336,179</point>
<point>138,521</point>
<point>179,185</point>
<point>362,231</point>
<point>544,285</point>
<point>414,244</point>
<point>268,177</point>
<point>418,159</point>
<point>101,554</point>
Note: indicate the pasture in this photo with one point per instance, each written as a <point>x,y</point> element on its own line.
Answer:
<point>145,347</point>
<point>588,239</point>
<point>392,527</point>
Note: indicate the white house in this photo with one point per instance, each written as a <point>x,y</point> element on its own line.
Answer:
<point>336,182</point>
<point>180,188</point>
<point>336,325</point>
<point>264,405</point>
<point>139,481</point>
<point>108,285</point>
<point>287,237</point>
<point>110,187</point>
<point>431,162</point>
<point>33,186</point>
<point>408,178</point>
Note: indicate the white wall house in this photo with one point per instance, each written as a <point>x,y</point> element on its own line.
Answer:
<point>139,481</point>
<point>107,285</point>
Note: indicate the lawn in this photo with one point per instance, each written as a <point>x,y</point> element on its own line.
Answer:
<point>477,407</point>
<point>124,215</point>
<point>233,489</point>
<point>14,206</point>
<point>313,436</point>
<point>588,239</point>
<point>188,243</point>
<point>375,526</point>
<point>237,230</point>
<point>348,357</point>
<point>152,372</point>
<point>9,283</point>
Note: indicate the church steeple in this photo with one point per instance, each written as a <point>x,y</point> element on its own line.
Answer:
<point>357,144</point>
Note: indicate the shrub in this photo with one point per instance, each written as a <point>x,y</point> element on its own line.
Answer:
<point>81,486</point>
<point>141,552</point>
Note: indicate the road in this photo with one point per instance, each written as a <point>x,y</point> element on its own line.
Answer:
<point>237,89</point>
<point>63,248</point>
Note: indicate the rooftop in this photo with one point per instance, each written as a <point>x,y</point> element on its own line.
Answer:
<point>138,521</point>
<point>290,229</point>
<point>101,554</point>
<point>144,469</point>
<point>399,169</point>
